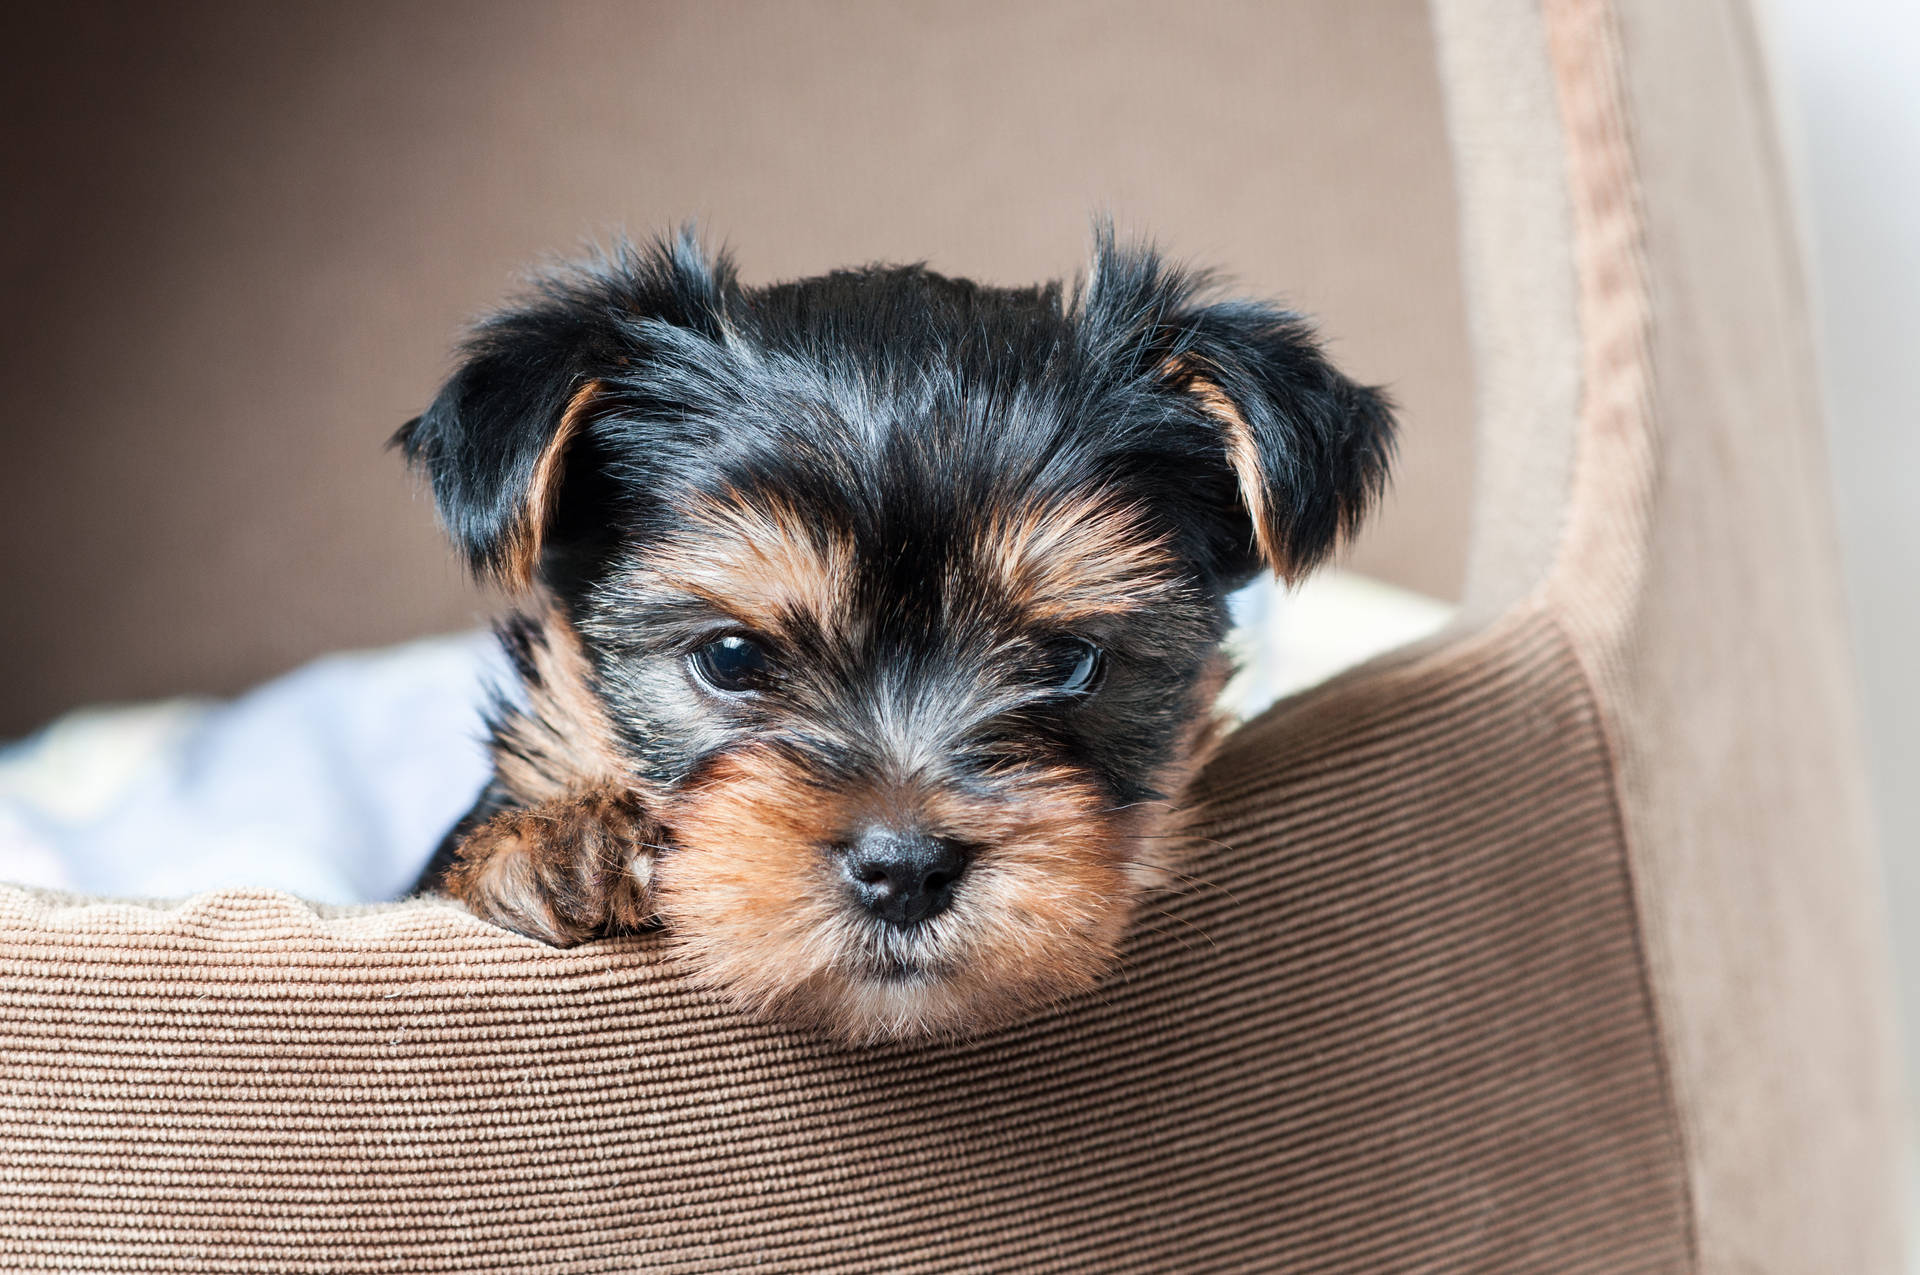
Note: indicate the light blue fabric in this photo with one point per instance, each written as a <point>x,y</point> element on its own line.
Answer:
<point>334,782</point>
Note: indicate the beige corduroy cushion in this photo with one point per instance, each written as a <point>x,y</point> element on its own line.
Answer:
<point>1368,1040</point>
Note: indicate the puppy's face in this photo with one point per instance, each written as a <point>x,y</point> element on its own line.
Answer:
<point>899,599</point>
<point>916,756</point>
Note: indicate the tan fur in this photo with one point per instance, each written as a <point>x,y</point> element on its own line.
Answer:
<point>1167,839</point>
<point>564,871</point>
<point>520,557</point>
<point>562,744</point>
<point>577,860</point>
<point>753,894</point>
<point>759,561</point>
<point>1241,454</point>
<point>1246,464</point>
<point>1071,560</point>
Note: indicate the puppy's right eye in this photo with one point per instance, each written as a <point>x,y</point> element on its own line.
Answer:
<point>732,664</point>
<point>1073,666</point>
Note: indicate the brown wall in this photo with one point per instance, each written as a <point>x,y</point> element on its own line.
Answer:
<point>241,238</point>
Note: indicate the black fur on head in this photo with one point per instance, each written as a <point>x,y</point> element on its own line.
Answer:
<point>1308,447</point>
<point>964,549</point>
<point>495,430</point>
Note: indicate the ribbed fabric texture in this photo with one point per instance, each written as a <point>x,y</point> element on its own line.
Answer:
<point>1399,1025</point>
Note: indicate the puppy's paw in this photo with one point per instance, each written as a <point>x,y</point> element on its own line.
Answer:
<point>562,872</point>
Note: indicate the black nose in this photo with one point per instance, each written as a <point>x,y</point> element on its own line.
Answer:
<point>902,877</point>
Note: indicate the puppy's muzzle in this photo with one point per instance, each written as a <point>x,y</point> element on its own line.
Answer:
<point>902,877</point>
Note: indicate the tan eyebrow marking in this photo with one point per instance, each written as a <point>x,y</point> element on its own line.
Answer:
<point>760,560</point>
<point>1072,559</point>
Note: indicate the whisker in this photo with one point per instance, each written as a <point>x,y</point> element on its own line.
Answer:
<point>1135,805</point>
<point>1180,920</point>
<point>1182,878</point>
<point>1187,836</point>
<point>1156,929</point>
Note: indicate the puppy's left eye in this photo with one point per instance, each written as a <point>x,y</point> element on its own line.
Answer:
<point>1073,666</point>
<point>732,664</point>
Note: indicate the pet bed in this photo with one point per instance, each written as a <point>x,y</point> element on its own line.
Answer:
<point>1546,944</point>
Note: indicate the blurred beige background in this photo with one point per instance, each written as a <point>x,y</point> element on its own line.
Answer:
<point>242,239</point>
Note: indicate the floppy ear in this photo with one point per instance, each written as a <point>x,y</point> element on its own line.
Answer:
<point>508,440</point>
<point>1309,446</point>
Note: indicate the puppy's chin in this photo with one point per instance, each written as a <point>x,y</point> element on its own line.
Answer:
<point>760,909</point>
<point>976,966</point>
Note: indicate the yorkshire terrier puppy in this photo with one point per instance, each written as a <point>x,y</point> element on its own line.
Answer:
<point>871,623</point>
